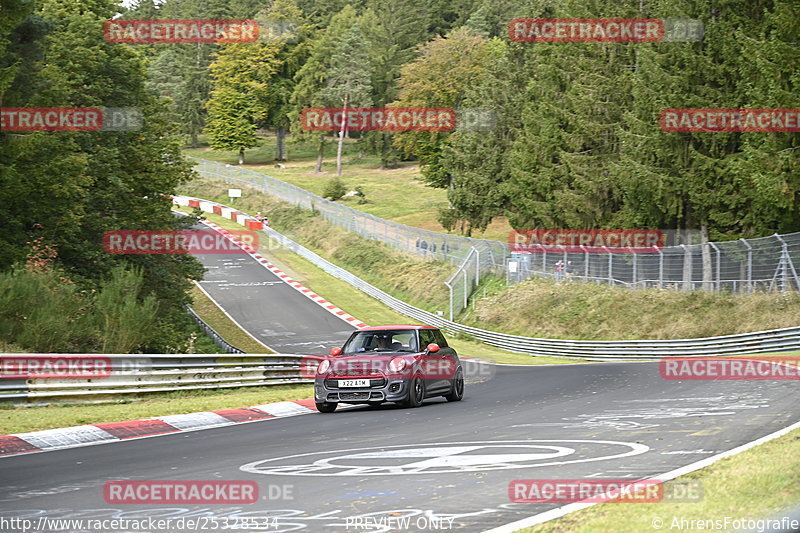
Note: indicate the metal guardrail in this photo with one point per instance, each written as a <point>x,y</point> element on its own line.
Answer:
<point>757,342</point>
<point>137,374</point>
<point>216,337</point>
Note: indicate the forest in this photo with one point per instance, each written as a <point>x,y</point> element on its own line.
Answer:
<point>575,142</point>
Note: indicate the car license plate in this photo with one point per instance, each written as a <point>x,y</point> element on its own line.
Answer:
<point>354,383</point>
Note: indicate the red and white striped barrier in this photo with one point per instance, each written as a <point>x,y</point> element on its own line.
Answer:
<point>73,437</point>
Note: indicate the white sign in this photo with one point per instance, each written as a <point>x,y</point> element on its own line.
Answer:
<point>234,193</point>
<point>512,266</point>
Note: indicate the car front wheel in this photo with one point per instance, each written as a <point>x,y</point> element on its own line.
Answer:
<point>416,392</point>
<point>457,392</point>
<point>326,407</point>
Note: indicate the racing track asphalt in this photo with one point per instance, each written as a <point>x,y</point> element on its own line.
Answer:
<point>271,310</point>
<point>575,409</point>
<point>546,422</point>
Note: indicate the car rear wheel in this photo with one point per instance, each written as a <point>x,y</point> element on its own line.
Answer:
<point>457,392</point>
<point>416,392</point>
<point>326,407</point>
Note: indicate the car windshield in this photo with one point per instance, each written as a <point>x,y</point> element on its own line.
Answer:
<point>395,340</point>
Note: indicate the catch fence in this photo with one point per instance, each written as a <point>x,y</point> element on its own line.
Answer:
<point>745,265</point>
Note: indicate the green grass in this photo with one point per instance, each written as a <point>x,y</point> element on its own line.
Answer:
<point>757,483</point>
<point>366,308</point>
<point>219,321</point>
<point>22,419</point>
<point>394,194</point>
<point>575,310</point>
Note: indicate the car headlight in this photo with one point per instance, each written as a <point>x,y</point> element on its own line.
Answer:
<point>398,364</point>
<point>324,366</point>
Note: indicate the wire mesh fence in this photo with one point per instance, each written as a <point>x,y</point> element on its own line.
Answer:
<point>745,265</point>
<point>763,264</point>
<point>463,282</point>
<point>423,243</point>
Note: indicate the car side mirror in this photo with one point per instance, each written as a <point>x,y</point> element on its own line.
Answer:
<point>336,351</point>
<point>432,348</point>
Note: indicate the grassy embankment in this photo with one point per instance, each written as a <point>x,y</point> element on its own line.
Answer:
<point>536,308</point>
<point>394,194</point>
<point>758,483</point>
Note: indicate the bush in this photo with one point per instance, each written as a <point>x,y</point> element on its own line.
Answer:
<point>334,189</point>
<point>44,311</point>
<point>362,198</point>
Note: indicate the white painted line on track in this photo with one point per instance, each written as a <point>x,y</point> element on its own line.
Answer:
<point>231,318</point>
<point>559,512</point>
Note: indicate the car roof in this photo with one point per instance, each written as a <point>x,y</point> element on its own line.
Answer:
<point>380,328</point>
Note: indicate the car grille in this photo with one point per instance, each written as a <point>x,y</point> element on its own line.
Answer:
<point>373,383</point>
<point>354,395</point>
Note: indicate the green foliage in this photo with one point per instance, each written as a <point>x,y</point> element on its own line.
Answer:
<point>578,142</point>
<point>66,189</point>
<point>44,311</point>
<point>334,189</point>
<point>349,72</point>
<point>240,97</point>
<point>438,77</point>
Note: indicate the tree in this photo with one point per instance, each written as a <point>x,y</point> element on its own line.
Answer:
<point>393,31</point>
<point>291,31</point>
<point>240,99</point>
<point>348,79</point>
<point>478,161</point>
<point>66,189</point>
<point>438,77</point>
<point>311,79</point>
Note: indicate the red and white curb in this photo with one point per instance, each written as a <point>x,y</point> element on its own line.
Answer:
<point>73,437</point>
<point>251,223</point>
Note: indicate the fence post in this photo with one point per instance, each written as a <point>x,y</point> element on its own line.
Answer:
<point>477,267</point>
<point>686,284</point>
<point>786,265</point>
<point>544,262</point>
<point>635,270</point>
<point>660,268</point>
<point>585,263</point>
<point>610,265</point>
<point>719,261</point>
<point>749,266</point>
<point>465,275</point>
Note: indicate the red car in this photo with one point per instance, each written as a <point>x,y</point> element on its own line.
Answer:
<point>402,364</point>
